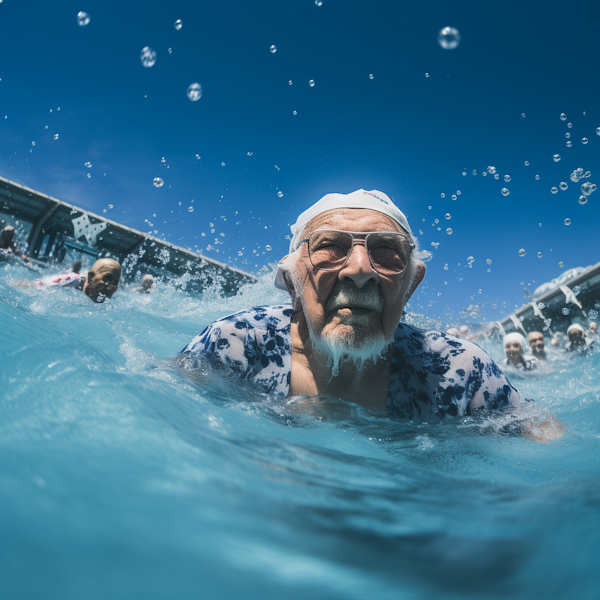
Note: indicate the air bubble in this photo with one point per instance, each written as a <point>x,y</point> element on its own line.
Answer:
<point>526,163</point>
<point>584,141</point>
<point>567,222</point>
<point>505,191</point>
<point>563,117</point>
<point>82,19</point>
<point>148,57</point>
<point>569,144</point>
<point>319,2</point>
<point>280,194</point>
<point>556,157</point>
<point>178,24</point>
<point>567,135</point>
<point>464,173</point>
<point>448,38</point>
<point>491,170</point>
<point>507,178</point>
<point>449,231</point>
<point>565,311</point>
<point>427,75</point>
<point>158,182</point>
<point>554,190</point>
<point>311,83</point>
<point>110,206</point>
<point>569,125</point>
<point>561,264</point>
<point>563,185</point>
<point>537,177</point>
<point>489,261</point>
<point>522,252</point>
<point>443,195</point>
<point>273,49</point>
<point>371,76</point>
<point>576,175</point>
<point>88,165</point>
<point>56,136</point>
<point>194,92</point>
<point>88,175</point>
<point>597,130</point>
<point>453,196</point>
<point>496,176</point>
<point>587,188</point>
<point>592,315</point>
<point>582,199</point>
<point>190,209</point>
<point>523,115</point>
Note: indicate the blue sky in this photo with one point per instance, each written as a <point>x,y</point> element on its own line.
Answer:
<point>401,132</point>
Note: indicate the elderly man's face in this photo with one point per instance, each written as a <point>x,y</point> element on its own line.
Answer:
<point>356,305</point>
<point>102,279</point>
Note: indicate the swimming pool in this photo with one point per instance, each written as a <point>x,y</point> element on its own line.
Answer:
<point>119,478</point>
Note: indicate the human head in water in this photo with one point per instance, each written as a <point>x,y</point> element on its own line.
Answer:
<point>514,347</point>
<point>102,279</point>
<point>536,341</point>
<point>350,270</point>
<point>575,334</point>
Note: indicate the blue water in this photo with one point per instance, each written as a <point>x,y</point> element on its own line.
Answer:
<point>121,479</point>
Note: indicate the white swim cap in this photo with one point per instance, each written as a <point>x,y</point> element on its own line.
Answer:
<point>575,327</point>
<point>514,337</point>
<point>373,200</point>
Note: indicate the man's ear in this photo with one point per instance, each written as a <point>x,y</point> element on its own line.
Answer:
<point>417,278</point>
<point>297,305</point>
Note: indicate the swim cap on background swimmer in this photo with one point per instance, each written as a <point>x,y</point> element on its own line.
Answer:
<point>575,327</point>
<point>373,200</point>
<point>515,337</point>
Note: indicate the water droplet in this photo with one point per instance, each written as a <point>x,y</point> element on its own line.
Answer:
<point>563,185</point>
<point>565,311</point>
<point>489,261</point>
<point>89,175</point>
<point>491,170</point>
<point>448,38</point>
<point>569,125</point>
<point>82,19</point>
<point>597,130</point>
<point>222,164</point>
<point>464,173</point>
<point>539,255</point>
<point>427,75</point>
<point>454,196</point>
<point>190,209</point>
<point>496,176</point>
<point>280,194</point>
<point>197,157</point>
<point>273,49</point>
<point>295,113</point>
<point>290,82</point>
<point>526,163</point>
<point>319,2</point>
<point>554,190</point>
<point>522,252</point>
<point>311,83</point>
<point>148,57</point>
<point>537,177</point>
<point>371,76</point>
<point>178,24</point>
<point>56,136</point>
<point>523,115</point>
<point>448,216</point>
<point>561,264</point>
<point>110,206</point>
<point>582,199</point>
<point>576,290</point>
<point>474,172</point>
<point>249,153</point>
<point>567,135</point>
<point>507,178</point>
<point>592,315</point>
<point>567,222</point>
<point>88,165</point>
<point>170,50</point>
<point>556,157</point>
<point>569,144</point>
<point>240,253</point>
<point>587,188</point>
<point>505,191</point>
<point>443,195</point>
<point>449,231</point>
<point>563,117</point>
<point>484,173</point>
<point>158,182</point>
<point>194,92</point>
<point>584,141</point>
<point>576,175</point>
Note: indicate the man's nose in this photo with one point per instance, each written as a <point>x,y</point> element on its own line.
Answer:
<point>358,269</point>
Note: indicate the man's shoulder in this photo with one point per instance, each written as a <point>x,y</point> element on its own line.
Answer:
<point>258,317</point>
<point>433,340</point>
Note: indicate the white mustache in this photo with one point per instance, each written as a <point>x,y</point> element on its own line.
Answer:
<point>352,297</point>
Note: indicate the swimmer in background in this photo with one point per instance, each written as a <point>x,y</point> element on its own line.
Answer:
<point>514,346</point>
<point>536,342</point>
<point>76,268</point>
<point>577,342</point>
<point>453,331</point>
<point>147,283</point>
<point>593,333</point>
<point>8,243</point>
<point>100,283</point>
<point>464,332</point>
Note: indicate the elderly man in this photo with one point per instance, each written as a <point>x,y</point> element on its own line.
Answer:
<point>536,342</point>
<point>350,272</point>
<point>100,283</point>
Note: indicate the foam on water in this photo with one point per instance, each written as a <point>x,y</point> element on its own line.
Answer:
<point>120,478</point>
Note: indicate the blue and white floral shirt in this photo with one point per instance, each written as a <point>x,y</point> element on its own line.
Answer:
<point>431,372</point>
